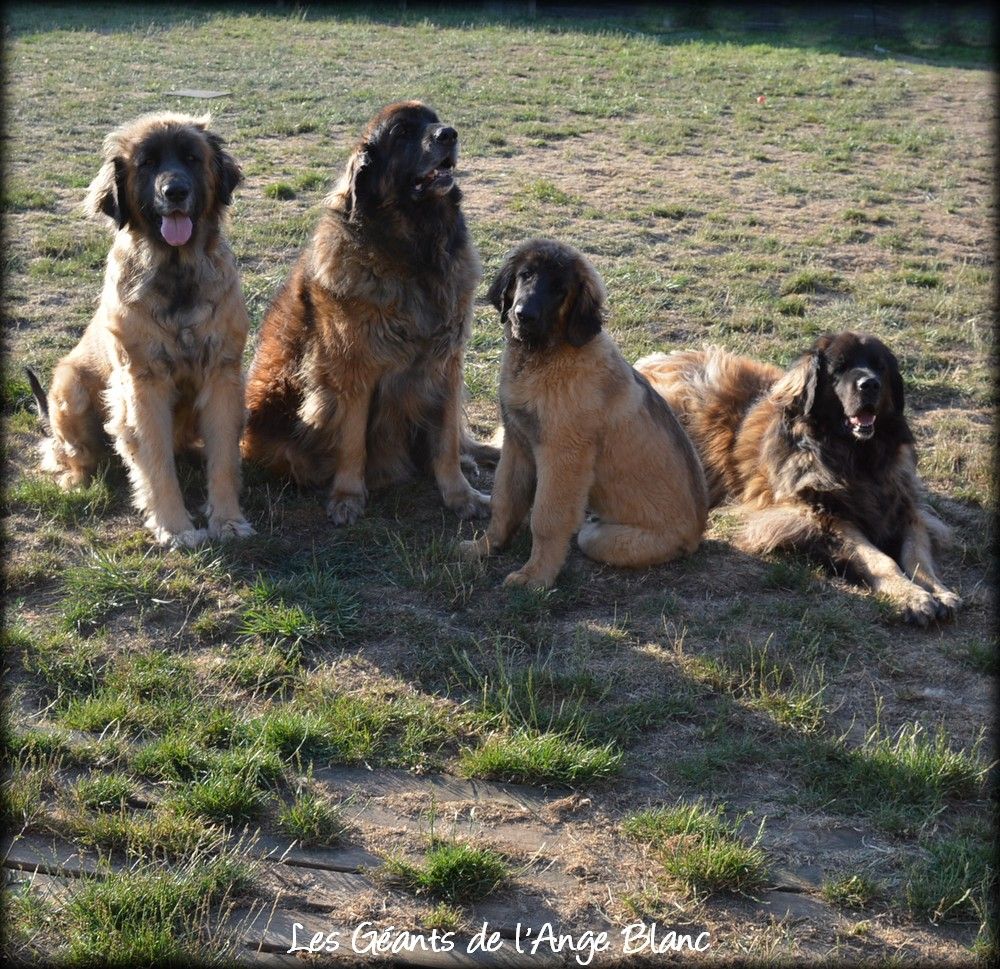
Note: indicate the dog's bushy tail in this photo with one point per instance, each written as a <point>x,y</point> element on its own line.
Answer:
<point>41,399</point>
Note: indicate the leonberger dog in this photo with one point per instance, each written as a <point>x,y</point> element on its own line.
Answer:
<point>357,378</point>
<point>582,430</point>
<point>158,367</point>
<point>820,458</point>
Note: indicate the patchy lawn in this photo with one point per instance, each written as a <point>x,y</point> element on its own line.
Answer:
<point>752,748</point>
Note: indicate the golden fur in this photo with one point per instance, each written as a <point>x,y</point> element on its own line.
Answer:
<point>582,430</point>
<point>357,379</point>
<point>158,367</point>
<point>781,444</point>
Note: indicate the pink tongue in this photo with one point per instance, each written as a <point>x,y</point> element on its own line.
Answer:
<point>176,229</point>
<point>865,420</point>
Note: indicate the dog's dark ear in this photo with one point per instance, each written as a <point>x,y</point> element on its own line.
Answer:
<point>895,382</point>
<point>796,390</point>
<point>228,173</point>
<point>358,177</point>
<point>584,315</point>
<point>107,194</point>
<point>499,288</point>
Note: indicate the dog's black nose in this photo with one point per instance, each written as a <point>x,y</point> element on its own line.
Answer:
<point>176,191</point>
<point>446,135</point>
<point>525,314</point>
<point>869,384</point>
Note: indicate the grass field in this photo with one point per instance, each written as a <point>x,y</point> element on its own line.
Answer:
<point>753,747</point>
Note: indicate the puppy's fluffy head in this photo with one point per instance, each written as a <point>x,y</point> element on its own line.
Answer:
<point>548,293</point>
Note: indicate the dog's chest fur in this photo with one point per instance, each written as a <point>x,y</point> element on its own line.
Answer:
<point>871,486</point>
<point>182,298</point>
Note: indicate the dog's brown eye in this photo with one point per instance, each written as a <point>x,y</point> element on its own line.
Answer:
<point>147,163</point>
<point>192,157</point>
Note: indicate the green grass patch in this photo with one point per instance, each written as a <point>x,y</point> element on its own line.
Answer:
<point>900,780</point>
<point>853,891</point>
<point>312,819</point>
<point>103,792</point>
<point>309,607</point>
<point>699,849</point>
<point>954,880</point>
<point>281,191</point>
<point>812,281</point>
<point>148,916</point>
<point>107,583</point>
<point>43,497</point>
<point>538,758</point>
<point>20,198</point>
<point>226,796</point>
<point>453,871</point>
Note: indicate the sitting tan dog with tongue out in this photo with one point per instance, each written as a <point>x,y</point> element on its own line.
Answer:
<point>158,368</point>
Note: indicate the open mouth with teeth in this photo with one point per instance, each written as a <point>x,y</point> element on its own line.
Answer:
<point>439,177</point>
<point>862,424</point>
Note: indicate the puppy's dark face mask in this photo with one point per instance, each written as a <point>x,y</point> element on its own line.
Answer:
<point>547,294</point>
<point>536,299</point>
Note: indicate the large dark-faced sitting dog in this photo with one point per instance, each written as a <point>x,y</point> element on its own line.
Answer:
<point>159,364</point>
<point>821,457</point>
<point>357,379</point>
<point>582,429</point>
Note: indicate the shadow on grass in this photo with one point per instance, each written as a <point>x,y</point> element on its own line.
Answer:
<point>933,33</point>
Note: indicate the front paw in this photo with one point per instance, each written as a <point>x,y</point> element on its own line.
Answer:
<point>224,529</point>
<point>918,607</point>
<point>469,504</point>
<point>183,538</point>
<point>947,604</point>
<point>522,578</point>
<point>345,508</point>
<point>473,550</point>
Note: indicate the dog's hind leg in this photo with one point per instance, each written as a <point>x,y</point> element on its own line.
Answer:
<point>628,545</point>
<point>75,443</point>
<point>141,425</point>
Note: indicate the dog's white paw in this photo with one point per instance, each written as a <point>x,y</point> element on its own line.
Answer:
<point>186,538</point>
<point>918,607</point>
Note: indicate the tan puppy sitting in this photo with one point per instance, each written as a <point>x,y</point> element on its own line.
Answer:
<point>582,430</point>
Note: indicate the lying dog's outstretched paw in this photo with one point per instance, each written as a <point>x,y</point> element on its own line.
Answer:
<point>470,504</point>
<point>947,604</point>
<point>222,529</point>
<point>918,607</point>
<point>345,508</point>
